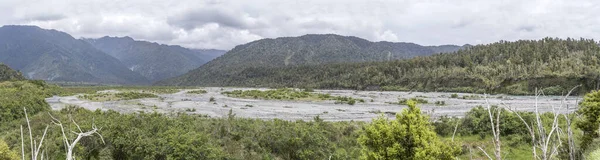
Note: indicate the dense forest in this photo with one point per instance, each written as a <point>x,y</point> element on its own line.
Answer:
<point>8,74</point>
<point>550,64</point>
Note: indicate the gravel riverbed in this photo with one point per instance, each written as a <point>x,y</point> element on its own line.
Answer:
<point>307,110</point>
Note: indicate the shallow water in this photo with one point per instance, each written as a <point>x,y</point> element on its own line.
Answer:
<point>307,110</point>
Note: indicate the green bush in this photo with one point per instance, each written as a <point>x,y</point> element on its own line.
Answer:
<point>404,101</point>
<point>409,136</point>
<point>454,95</point>
<point>197,92</point>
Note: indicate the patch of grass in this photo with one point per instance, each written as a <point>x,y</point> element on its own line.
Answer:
<point>73,90</point>
<point>472,97</point>
<point>197,92</point>
<point>440,103</point>
<point>454,95</point>
<point>291,94</point>
<point>100,97</point>
<point>212,99</point>
<point>403,101</point>
<point>190,110</point>
<point>472,142</point>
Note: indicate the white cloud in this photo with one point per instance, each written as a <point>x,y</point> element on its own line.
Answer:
<point>224,24</point>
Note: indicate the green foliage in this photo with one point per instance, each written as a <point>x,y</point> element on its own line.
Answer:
<point>183,136</point>
<point>197,92</point>
<point>594,154</point>
<point>74,90</point>
<point>590,118</point>
<point>410,136</point>
<point>117,96</point>
<point>454,95</point>
<point>472,97</point>
<point>6,153</point>
<point>404,101</point>
<point>291,94</point>
<point>440,103</point>
<point>8,74</point>
<point>16,95</point>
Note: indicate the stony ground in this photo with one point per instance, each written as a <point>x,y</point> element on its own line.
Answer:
<point>307,110</point>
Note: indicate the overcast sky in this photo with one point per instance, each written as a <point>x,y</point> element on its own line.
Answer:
<point>224,24</point>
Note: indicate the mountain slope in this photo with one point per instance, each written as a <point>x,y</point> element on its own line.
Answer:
<point>208,54</point>
<point>550,65</point>
<point>151,60</point>
<point>7,74</point>
<point>294,51</point>
<point>56,56</point>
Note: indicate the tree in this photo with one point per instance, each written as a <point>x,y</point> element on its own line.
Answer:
<point>410,136</point>
<point>590,118</point>
<point>6,153</point>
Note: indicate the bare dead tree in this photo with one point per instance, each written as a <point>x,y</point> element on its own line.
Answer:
<point>70,144</point>
<point>495,129</point>
<point>548,142</point>
<point>569,121</point>
<point>35,148</point>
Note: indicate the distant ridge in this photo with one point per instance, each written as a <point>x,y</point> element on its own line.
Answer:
<point>152,60</point>
<point>56,56</point>
<point>312,49</point>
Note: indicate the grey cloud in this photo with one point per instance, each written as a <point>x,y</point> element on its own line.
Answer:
<point>44,17</point>
<point>224,24</point>
<point>195,18</point>
<point>526,28</point>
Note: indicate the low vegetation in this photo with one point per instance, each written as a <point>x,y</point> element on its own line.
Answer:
<point>100,97</point>
<point>291,94</point>
<point>404,101</point>
<point>16,95</point>
<point>200,91</point>
<point>74,90</point>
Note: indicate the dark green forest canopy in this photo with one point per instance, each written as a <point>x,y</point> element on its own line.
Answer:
<point>550,64</point>
<point>7,74</point>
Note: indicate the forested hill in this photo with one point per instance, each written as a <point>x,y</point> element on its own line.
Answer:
<point>152,60</point>
<point>304,50</point>
<point>56,56</point>
<point>554,65</point>
<point>6,73</point>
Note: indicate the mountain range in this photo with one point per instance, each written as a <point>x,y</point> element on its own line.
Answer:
<point>309,49</point>
<point>152,60</point>
<point>56,56</point>
<point>551,66</point>
<point>52,55</point>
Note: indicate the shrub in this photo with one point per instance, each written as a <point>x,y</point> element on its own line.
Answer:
<point>454,95</point>
<point>197,92</point>
<point>409,136</point>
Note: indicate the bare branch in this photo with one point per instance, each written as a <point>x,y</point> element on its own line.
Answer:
<point>484,152</point>
<point>22,144</point>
